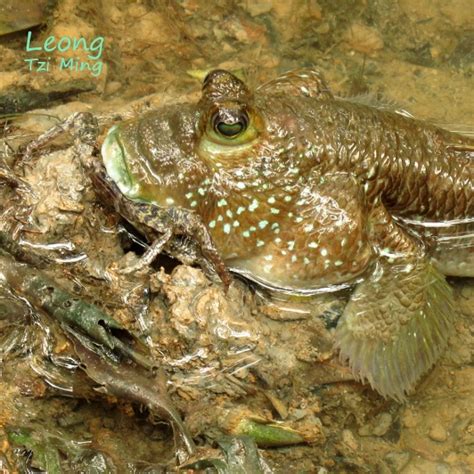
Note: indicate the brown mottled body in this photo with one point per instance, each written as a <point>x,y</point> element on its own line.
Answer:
<point>303,192</point>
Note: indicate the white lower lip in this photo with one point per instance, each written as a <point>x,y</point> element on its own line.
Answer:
<point>114,162</point>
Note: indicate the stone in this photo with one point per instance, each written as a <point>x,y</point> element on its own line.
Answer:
<point>349,440</point>
<point>363,39</point>
<point>438,433</point>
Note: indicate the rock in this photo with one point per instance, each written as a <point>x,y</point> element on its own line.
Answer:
<point>378,426</point>
<point>438,433</point>
<point>383,422</point>
<point>152,26</point>
<point>112,87</point>
<point>257,7</point>
<point>470,460</point>
<point>459,12</point>
<point>363,38</point>
<point>419,10</point>
<point>419,465</point>
<point>410,419</point>
<point>397,460</point>
<point>349,440</point>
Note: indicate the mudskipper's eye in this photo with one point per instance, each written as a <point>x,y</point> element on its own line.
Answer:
<point>230,125</point>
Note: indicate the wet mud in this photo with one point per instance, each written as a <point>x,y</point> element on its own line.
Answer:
<point>225,359</point>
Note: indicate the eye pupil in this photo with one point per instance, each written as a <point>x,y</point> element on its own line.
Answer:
<point>230,129</point>
<point>230,124</point>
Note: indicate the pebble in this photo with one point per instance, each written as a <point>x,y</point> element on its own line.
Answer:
<point>258,7</point>
<point>349,440</point>
<point>470,460</point>
<point>397,460</point>
<point>438,433</point>
<point>419,465</point>
<point>410,419</point>
<point>363,38</point>
<point>378,426</point>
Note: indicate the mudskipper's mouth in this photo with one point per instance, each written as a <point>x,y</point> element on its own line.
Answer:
<point>113,155</point>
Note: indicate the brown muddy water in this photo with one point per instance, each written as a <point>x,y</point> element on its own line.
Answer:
<point>227,364</point>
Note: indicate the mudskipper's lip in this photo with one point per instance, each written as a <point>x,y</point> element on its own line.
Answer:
<point>114,157</point>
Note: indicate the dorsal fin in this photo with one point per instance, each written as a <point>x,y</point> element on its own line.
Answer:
<point>306,82</point>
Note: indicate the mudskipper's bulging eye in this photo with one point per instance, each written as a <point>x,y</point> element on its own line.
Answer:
<point>230,126</point>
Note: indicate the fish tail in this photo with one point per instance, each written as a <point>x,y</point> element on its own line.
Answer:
<point>396,326</point>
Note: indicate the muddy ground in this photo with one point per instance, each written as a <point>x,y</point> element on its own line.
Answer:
<point>226,356</point>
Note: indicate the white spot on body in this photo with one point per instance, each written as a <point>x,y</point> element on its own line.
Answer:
<point>324,252</point>
<point>263,224</point>
<point>240,209</point>
<point>271,200</point>
<point>221,202</point>
<point>169,201</point>
<point>226,228</point>
<point>313,245</point>
<point>253,205</point>
<point>212,224</point>
<point>260,243</point>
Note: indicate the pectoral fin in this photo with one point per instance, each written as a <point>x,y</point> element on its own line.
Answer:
<point>396,325</point>
<point>398,320</point>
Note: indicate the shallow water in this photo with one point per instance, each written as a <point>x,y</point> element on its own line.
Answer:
<point>231,356</point>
